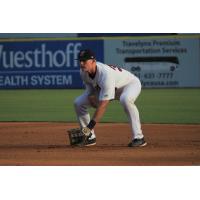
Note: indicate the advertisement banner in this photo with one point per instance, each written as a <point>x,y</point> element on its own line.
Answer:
<point>170,61</point>
<point>43,64</point>
<point>161,62</point>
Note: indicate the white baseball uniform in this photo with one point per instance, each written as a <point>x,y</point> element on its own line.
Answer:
<point>110,83</point>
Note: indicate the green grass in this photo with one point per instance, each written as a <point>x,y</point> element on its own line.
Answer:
<point>155,106</point>
<point>170,105</point>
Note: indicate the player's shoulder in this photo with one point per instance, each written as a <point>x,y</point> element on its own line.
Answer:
<point>102,67</point>
<point>103,70</point>
<point>100,64</point>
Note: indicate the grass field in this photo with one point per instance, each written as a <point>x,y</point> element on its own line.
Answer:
<point>155,106</point>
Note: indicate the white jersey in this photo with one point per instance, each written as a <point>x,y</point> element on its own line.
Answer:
<point>107,81</point>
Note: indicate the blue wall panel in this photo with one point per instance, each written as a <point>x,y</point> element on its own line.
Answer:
<point>43,64</point>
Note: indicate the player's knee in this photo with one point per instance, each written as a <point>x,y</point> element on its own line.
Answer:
<point>77,102</point>
<point>126,100</point>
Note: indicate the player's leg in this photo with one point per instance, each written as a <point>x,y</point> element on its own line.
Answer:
<point>81,105</point>
<point>127,99</point>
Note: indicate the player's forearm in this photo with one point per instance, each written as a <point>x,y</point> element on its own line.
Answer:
<point>100,111</point>
<point>98,114</point>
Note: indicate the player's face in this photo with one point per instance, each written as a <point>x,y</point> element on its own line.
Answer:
<point>87,65</point>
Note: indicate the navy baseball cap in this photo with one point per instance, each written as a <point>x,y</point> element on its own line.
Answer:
<point>86,54</point>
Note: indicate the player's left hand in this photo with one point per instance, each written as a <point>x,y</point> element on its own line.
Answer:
<point>78,136</point>
<point>86,131</point>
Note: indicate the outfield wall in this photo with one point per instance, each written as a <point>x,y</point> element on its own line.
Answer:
<point>43,63</point>
<point>158,61</point>
<point>165,61</point>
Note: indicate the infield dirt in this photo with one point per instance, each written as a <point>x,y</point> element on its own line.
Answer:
<point>47,144</point>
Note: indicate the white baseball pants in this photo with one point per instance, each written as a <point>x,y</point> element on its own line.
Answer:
<point>127,96</point>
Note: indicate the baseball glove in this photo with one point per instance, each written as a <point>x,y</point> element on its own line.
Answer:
<point>78,136</point>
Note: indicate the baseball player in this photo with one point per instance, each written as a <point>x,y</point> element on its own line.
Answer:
<point>103,84</point>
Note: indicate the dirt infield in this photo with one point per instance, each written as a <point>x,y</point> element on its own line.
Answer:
<point>46,144</point>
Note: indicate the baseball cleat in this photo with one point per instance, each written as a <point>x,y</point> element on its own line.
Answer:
<point>87,142</point>
<point>137,143</point>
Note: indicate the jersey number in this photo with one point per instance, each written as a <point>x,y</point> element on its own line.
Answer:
<point>115,67</point>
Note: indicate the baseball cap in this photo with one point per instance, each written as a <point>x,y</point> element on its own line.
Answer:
<point>86,54</point>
